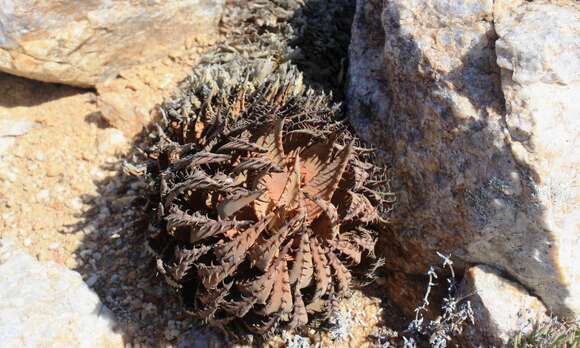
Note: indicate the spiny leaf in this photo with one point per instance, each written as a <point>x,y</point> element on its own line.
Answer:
<point>361,208</point>
<point>302,270</point>
<point>178,218</point>
<point>237,248</point>
<point>347,248</point>
<point>272,141</point>
<point>185,259</point>
<point>261,256</point>
<point>232,254</point>
<point>360,173</point>
<point>257,164</point>
<point>314,157</point>
<point>340,272</point>
<point>261,287</point>
<point>287,303</point>
<point>364,239</point>
<point>239,308</point>
<point>199,158</point>
<point>299,315</point>
<point>326,181</point>
<point>232,204</point>
<point>325,206</point>
<point>211,301</point>
<point>212,228</point>
<point>292,187</point>
<point>198,180</point>
<point>278,293</point>
<point>321,269</point>
<point>242,145</point>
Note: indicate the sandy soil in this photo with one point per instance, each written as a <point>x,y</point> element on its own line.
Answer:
<point>63,198</point>
<point>49,168</point>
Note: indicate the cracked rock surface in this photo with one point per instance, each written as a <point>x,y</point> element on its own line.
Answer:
<point>471,103</point>
<point>81,43</point>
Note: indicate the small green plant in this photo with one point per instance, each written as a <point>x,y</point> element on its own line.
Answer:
<point>552,333</point>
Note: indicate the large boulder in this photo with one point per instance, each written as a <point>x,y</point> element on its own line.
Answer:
<point>501,308</point>
<point>47,305</point>
<point>472,104</point>
<point>82,42</point>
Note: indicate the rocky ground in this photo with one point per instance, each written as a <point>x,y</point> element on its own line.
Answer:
<point>63,198</point>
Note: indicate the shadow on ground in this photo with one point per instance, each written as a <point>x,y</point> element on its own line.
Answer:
<point>31,93</point>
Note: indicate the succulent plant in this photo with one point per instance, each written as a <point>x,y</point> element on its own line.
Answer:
<point>263,200</point>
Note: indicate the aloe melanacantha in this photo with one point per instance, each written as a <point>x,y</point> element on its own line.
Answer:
<point>263,200</point>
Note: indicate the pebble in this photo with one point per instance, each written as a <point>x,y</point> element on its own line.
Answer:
<point>111,141</point>
<point>7,174</point>
<point>54,246</point>
<point>85,253</point>
<point>43,256</point>
<point>70,263</point>
<point>149,308</point>
<point>43,196</point>
<point>76,203</point>
<point>89,229</point>
<point>53,169</point>
<point>171,333</point>
<point>40,156</point>
<point>131,275</point>
<point>92,280</point>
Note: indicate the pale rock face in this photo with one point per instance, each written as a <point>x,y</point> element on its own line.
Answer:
<point>83,42</point>
<point>538,51</point>
<point>501,308</point>
<point>474,106</point>
<point>47,305</point>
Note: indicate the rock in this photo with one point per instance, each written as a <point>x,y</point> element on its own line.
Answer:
<point>81,43</point>
<point>127,101</point>
<point>471,104</point>
<point>47,305</point>
<point>501,308</point>
<point>111,141</point>
<point>538,51</point>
